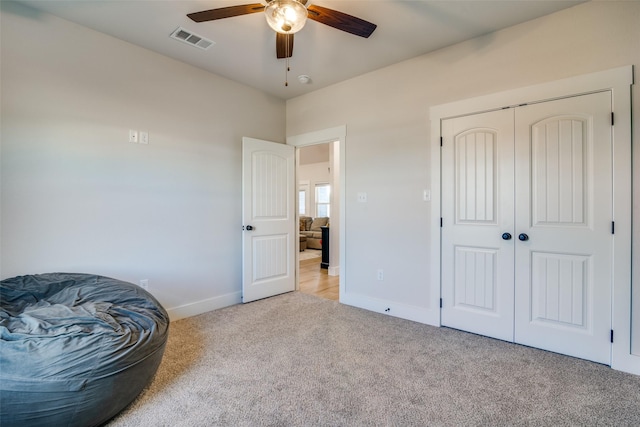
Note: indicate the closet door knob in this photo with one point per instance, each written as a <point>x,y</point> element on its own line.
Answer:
<point>523,237</point>
<point>506,236</point>
<point>249,228</point>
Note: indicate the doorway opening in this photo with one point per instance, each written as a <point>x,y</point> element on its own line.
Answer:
<point>317,180</point>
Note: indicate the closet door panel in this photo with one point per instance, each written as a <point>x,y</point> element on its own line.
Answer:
<point>564,206</point>
<point>477,192</point>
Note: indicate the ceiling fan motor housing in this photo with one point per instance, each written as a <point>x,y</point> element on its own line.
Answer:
<point>286,16</point>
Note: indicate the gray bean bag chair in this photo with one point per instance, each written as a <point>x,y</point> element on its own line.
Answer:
<point>75,349</point>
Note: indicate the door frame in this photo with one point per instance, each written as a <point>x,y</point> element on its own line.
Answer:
<point>335,134</point>
<point>618,81</point>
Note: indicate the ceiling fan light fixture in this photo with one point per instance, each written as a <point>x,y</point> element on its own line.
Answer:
<point>286,16</point>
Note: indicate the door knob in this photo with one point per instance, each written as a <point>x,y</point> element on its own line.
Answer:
<point>506,236</point>
<point>249,227</point>
<point>523,237</point>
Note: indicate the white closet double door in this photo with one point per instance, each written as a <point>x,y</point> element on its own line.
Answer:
<point>527,241</point>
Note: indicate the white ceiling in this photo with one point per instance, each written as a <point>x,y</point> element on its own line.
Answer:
<point>245,45</point>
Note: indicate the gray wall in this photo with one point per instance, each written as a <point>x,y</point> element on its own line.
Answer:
<point>77,196</point>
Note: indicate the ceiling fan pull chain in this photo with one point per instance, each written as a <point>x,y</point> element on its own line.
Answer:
<point>286,73</point>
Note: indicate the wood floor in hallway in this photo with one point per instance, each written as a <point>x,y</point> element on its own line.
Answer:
<point>315,280</point>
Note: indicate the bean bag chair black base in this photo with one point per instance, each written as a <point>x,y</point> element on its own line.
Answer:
<point>75,349</point>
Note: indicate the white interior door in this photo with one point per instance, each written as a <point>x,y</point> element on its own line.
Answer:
<point>543,174</point>
<point>268,218</point>
<point>477,209</point>
<point>564,205</point>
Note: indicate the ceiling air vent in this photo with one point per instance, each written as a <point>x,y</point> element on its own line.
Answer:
<point>188,37</point>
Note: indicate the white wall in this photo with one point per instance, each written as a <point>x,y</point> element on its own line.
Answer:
<point>77,196</point>
<point>388,136</point>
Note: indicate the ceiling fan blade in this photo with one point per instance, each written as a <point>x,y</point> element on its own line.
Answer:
<point>341,21</point>
<point>226,12</point>
<point>284,45</point>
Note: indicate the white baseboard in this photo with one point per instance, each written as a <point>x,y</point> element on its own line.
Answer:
<point>403,311</point>
<point>333,271</point>
<point>199,307</point>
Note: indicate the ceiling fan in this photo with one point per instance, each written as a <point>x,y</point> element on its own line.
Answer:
<point>287,17</point>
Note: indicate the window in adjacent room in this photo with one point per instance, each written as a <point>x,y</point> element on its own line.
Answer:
<point>323,198</point>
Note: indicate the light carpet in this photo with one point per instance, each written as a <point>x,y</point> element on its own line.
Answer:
<point>299,360</point>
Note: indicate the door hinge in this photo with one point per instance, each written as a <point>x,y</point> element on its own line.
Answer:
<point>440,302</point>
<point>612,121</point>
<point>440,222</point>
<point>612,336</point>
<point>613,227</point>
<point>440,141</point>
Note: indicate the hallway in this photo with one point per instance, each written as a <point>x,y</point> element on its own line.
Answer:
<point>315,280</point>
